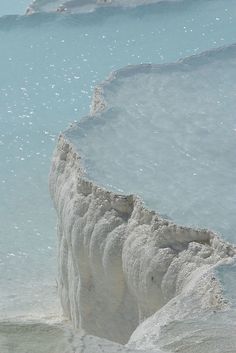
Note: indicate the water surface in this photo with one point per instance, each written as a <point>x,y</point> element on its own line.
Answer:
<point>49,67</point>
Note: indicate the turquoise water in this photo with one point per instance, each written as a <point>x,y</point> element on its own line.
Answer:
<point>49,67</point>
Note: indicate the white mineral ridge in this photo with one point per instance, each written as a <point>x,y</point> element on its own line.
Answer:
<point>123,269</point>
<point>84,5</point>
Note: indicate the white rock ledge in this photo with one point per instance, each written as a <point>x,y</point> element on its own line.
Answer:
<point>120,263</point>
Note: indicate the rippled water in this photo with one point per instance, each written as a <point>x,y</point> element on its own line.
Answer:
<point>49,66</point>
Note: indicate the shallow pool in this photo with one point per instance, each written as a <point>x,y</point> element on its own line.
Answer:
<point>50,64</point>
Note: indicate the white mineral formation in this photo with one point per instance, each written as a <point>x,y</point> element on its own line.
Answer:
<point>125,273</point>
<point>120,263</point>
<point>82,5</point>
<point>57,337</point>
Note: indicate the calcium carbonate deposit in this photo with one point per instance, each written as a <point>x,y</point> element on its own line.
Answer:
<point>120,264</point>
<point>143,187</point>
<point>81,6</point>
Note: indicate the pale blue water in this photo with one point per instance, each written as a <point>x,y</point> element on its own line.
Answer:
<point>169,136</point>
<point>49,66</point>
<point>13,7</point>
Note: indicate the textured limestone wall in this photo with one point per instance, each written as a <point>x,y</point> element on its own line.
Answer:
<point>119,263</point>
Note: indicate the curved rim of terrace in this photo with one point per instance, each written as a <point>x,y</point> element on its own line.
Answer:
<point>100,106</point>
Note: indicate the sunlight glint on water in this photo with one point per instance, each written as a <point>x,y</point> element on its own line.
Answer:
<point>49,66</point>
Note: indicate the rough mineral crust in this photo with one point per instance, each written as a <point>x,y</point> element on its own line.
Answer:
<point>124,269</point>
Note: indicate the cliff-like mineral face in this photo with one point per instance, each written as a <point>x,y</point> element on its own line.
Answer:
<point>123,269</point>
<point>119,263</point>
